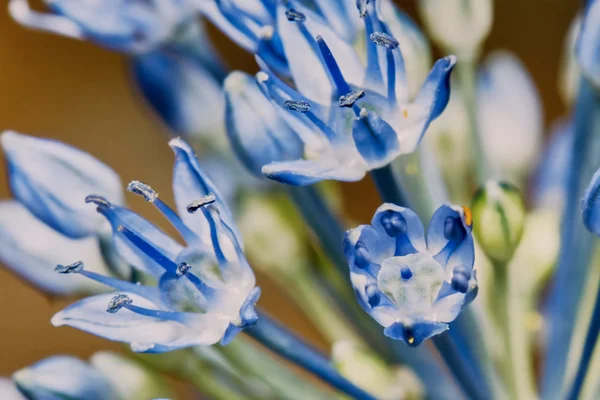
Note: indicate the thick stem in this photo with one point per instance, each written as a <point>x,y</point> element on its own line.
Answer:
<point>388,186</point>
<point>287,345</point>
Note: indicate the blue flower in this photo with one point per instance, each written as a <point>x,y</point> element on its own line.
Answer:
<point>61,377</point>
<point>588,42</point>
<point>124,25</point>
<point>411,285</point>
<point>52,180</point>
<point>206,290</point>
<point>350,119</point>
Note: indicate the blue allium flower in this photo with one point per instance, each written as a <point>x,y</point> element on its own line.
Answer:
<point>206,289</point>
<point>351,119</point>
<point>413,286</point>
<point>588,42</point>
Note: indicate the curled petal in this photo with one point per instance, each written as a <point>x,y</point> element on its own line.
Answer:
<point>375,139</point>
<point>62,377</point>
<point>30,249</point>
<point>53,179</point>
<point>307,172</point>
<point>23,14</point>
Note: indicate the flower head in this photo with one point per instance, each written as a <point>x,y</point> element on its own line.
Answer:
<point>206,289</point>
<point>351,118</point>
<point>411,285</point>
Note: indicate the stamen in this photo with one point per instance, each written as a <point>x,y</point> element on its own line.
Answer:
<point>294,16</point>
<point>182,269</point>
<point>75,268</point>
<point>197,204</point>
<point>349,99</point>
<point>362,7</point>
<point>148,249</point>
<point>333,67</point>
<point>117,302</point>
<point>406,273</point>
<point>300,106</point>
<point>166,315</point>
<point>142,189</point>
<point>117,284</point>
<point>383,39</point>
<point>100,201</point>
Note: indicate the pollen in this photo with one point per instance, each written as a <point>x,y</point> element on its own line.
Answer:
<point>405,113</point>
<point>468,215</point>
<point>411,340</point>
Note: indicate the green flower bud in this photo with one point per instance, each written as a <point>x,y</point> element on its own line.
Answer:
<point>459,26</point>
<point>499,215</point>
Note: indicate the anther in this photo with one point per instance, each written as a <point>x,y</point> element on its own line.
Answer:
<point>204,201</point>
<point>98,200</point>
<point>294,16</point>
<point>393,223</point>
<point>117,302</point>
<point>182,269</point>
<point>460,283</point>
<point>362,258</point>
<point>362,7</point>
<point>406,273</point>
<point>74,268</point>
<point>383,39</point>
<point>142,189</point>
<point>373,295</point>
<point>300,106</point>
<point>348,99</point>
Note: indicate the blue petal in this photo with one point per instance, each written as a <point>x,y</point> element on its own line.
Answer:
<point>131,26</point>
<point>256,132</point>
<point>375,139</point>
<point>415,333</point>
<point>588,43</point>
<point>449,238</point>
<point>590,205</point>
<point>31,249</point>
<point>307,172</point>
<point>53,179</point>
<point>435,92</point>
<point>186,95</point>
<point>119,216</point>
<point>144,333</point>
<point>190,183</point>
<point>365,249</point>
<point>406,230</point>
<point>62,377</point>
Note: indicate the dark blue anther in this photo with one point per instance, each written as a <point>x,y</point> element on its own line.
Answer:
<point>76,268</point>
<point>295,16</point>
<point>348,99</point>
<point>393,223</point>
<point>362,258</point>
<point>453,229</point>
<point>300,106</point>
<point>362,7</point>
<point>373,295</point>
<point>406,273</point>
<point>460,283</point>
<point>383,39</point>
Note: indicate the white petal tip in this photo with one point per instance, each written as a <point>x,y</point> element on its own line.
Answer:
<point>262,77</point>
<point>236,81</point>
<point>58,319</point>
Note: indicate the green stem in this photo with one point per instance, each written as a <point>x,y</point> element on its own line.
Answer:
<point>466,72</point>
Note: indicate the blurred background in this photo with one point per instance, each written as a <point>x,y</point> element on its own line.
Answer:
<point>80,94</point>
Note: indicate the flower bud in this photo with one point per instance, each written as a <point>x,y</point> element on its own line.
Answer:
<point>499,213</point>
<point>458,26</point>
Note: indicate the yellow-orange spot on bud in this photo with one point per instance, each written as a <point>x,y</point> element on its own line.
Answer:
<point>468,215</point>
<point>411,340</point>
<point>405,113</point>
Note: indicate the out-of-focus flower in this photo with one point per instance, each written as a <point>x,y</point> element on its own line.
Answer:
<point>500,214</point>
<point>410,285</point>
<point>569,69</point>
<point>62,377</point>
<point>34,164</point>
<point>124,25</point>
<point>588,42</point>
<point>549,183</point>
<point>459,26</point>
<point>351,119</point>
<point>206,290</point>
<point>509,116</point>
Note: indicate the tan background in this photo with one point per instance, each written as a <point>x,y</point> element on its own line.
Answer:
<point>78,93</point>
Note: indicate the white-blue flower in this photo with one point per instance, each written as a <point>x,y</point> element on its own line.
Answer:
<point>351,119</point>
<point>206,289</point>
<point>588,42</point>
<point>410,284</point>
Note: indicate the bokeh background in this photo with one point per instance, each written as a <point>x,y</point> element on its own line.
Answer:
<point>79,93</point>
